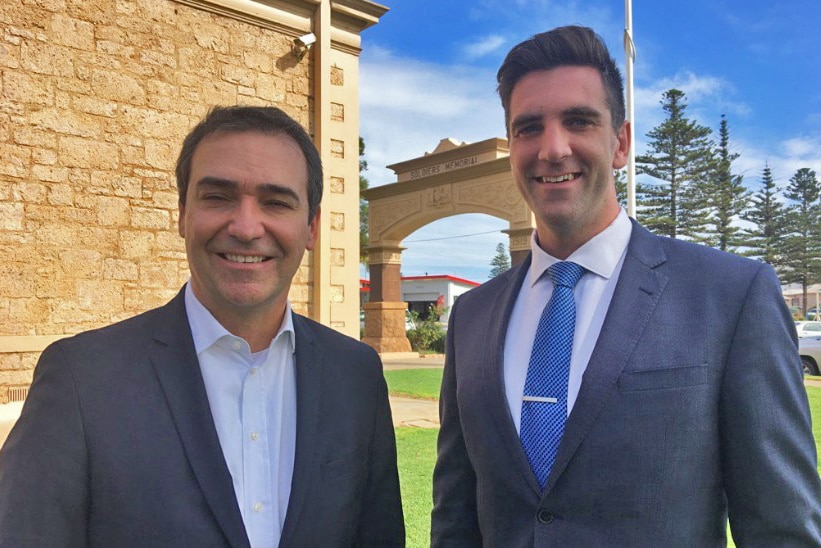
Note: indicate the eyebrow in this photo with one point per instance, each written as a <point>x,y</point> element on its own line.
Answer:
<point>587,112</point>
<point>263,188</point>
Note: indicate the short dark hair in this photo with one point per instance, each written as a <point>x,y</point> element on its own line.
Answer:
<point>243,119</point>
<point>563,46</point>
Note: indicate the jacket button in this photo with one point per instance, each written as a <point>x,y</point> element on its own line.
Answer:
<point>544,516</point>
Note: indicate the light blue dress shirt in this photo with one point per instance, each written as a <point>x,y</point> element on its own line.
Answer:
<point>253,403</point>
<point>602,257</point>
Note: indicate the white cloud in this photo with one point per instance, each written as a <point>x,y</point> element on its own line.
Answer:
<point>483,46</point>
<point>407,107</point>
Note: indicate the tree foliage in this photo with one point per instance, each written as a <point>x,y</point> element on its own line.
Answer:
<point>363,205</point>
<point>801,259</point>
<point>680,162</point>
<point>766,213</point>
<point>500,261</point>
<point>726,197</point>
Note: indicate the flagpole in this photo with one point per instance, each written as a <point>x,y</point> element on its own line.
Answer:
<point>630,54</point>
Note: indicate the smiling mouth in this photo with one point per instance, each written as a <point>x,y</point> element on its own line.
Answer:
<point>558,179</point>
<point>244,258</point>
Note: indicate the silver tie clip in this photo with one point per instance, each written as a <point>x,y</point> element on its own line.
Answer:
<point>540,399</point>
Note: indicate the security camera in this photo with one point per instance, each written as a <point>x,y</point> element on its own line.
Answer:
<point>303,44</point>
<point>306,40</point>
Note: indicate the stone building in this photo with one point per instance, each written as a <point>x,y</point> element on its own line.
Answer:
<point>95,98</point>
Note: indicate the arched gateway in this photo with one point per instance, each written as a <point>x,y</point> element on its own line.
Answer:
<point>452,180</point>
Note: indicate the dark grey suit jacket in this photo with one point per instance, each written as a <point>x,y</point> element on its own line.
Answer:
<point>116,445</point>
<point>692,407</point>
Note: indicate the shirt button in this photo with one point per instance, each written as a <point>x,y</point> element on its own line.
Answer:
<point>253,371</point>
<point>258,507</point>
<point>544,516</point>
<point>254,436</point>
<point>236,345</point>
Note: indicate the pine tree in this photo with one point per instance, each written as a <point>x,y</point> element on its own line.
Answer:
<point>363,206</point>
<point>726,196</point>
<point>802,246</point>
<point>764,239</point>
<point>621,187</point>
<point>500,262</point>
<point>680,160</point>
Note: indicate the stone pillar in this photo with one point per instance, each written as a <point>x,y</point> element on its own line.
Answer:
<point>385,313</point>
<point>519,244</point>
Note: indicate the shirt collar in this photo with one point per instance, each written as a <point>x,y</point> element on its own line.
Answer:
<point>206,330</point>
<point>600,254</point>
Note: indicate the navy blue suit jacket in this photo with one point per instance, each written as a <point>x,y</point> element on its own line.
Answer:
<point>116,445</point>
<point>692,406</point>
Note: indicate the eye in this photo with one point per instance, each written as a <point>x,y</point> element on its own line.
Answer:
<point>213,197</point>
<point>579,123</point>
<point>527,130</point>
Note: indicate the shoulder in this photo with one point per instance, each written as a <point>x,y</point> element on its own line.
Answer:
<point>129,335</point>
<point>329,340</point>
<point>684,258</point>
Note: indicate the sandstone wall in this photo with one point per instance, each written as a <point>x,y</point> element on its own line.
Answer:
<point>95,98</point>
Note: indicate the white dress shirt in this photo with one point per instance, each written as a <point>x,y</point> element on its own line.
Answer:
<point>602,257</point>
<point>253,403</point>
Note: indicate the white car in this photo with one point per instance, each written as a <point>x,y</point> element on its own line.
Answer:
<point>808,329</point>
<point>810,350</point>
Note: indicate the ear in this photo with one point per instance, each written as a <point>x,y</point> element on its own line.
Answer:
<point>313,228</point>
<point>622,146</point>
<point>181,220</point>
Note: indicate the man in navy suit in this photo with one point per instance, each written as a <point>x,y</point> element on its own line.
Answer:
<point>222,418</point>
<point>684,396</point>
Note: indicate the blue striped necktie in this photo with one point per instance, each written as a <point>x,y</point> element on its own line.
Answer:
<point>544,403</point>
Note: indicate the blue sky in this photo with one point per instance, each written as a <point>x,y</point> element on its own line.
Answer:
<point>427,72</point>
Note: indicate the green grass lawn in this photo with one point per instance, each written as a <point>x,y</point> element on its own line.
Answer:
<point>416,449</point>
<point>415,383</point>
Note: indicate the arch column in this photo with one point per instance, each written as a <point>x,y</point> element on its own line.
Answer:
<point>519,243</point>
<point>385,311</point>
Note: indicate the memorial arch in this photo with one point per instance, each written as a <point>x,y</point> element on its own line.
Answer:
<point>454,179</point>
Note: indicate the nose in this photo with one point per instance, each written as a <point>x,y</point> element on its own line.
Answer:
<point>246,221</point>
<point>554,145</point>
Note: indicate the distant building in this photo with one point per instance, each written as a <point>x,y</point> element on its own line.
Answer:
<point>422,292</point>
<point>794,297</point>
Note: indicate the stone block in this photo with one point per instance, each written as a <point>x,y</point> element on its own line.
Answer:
<point>71,32</point>
<point>65,122</point>
<point>46,58</point>
<point>150,218</point>
<point>96,295</point>
<point>11,216</point>
<point>16,161</point>
<point>49,174</point>
<point>116,86</point>
<point>120,269</point>
<point>134,244</point>
<point>112,211</point>
<point>88,153</point>
<point>34,193</point>
<point>29,88</point>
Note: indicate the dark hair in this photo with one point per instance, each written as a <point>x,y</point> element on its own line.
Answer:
<point>242,119</point>
<point>563,46</point>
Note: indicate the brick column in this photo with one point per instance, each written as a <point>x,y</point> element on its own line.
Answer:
<point>385,313</point>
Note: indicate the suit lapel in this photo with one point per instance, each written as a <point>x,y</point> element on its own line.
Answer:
<point>492,376</point>
<point>176,365</point>
<point>635,298</point>
<point>309,366</point>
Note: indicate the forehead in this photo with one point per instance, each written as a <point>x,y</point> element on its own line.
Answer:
<point>250,157</point>
<point>558,89</point>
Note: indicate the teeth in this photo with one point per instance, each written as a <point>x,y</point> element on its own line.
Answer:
<point>561,178</point>
<point>244,258</point>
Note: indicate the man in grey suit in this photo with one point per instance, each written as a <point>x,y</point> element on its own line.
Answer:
<point>683,399</point>
<point>222,418</point>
